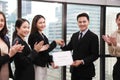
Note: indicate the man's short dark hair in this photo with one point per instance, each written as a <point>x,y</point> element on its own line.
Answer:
<point>83,15</point>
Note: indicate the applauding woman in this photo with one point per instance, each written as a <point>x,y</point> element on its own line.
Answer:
<point>24,69</point>
<point>43,60</point>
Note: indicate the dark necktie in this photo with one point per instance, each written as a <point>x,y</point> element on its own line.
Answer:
<point>80,36</point>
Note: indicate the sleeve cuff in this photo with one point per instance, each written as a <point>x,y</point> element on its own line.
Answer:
<point>83,62</point>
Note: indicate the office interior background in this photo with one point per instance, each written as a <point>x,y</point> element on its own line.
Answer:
<point>61,23</point>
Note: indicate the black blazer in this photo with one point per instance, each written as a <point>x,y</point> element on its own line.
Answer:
<point>86,49</point>
<point>43,58</point>
<point>24,69</point>
<point>6,58</point>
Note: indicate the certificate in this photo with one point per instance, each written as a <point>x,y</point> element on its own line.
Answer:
<point>62,58</point>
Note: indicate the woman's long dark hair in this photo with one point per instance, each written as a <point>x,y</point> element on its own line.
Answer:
<point>34,23</point>
<point>4,31</point>
<point>18,24</point>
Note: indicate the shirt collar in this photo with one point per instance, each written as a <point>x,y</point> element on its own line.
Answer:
<point>84,32</point>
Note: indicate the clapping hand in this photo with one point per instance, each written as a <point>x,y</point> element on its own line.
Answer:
<point>109,40</point>
<point>40,47</point>
<point>113,41</point>
<point>15,48</point>
<point>106,38</point>
<point>44,47</point>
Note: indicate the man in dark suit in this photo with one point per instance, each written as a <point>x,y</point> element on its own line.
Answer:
<point>85,47</point>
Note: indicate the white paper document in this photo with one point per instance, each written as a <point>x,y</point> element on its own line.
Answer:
<point>62,58</point>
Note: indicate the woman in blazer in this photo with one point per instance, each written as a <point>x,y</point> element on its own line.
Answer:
<point>24,69</point>
<point>5,51</point>
<point>44,59</point>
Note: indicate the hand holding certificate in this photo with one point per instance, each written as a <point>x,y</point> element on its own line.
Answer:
<point>62,58</point>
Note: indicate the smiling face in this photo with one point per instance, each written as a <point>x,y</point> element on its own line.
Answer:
<point>41,24</point>
<point>24,29</point>
<point>2,22</point>
<point>83,23</point>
